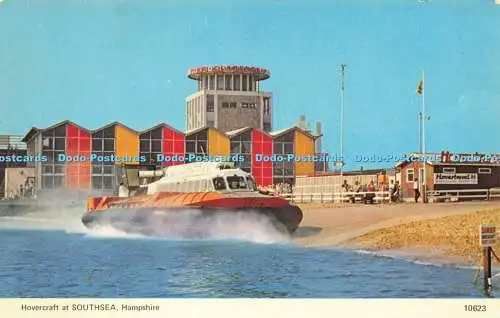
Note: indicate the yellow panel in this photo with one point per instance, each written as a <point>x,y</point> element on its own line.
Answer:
<point>218,143</point>
<point>304,145</point>
<point>127,144</point>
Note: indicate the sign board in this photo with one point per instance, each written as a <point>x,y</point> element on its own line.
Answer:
<point>455,178</point>
<point>487,235</point>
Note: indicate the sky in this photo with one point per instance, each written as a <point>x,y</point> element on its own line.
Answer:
<point>98,61</point>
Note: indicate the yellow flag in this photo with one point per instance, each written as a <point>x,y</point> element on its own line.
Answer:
<point>420,87</point>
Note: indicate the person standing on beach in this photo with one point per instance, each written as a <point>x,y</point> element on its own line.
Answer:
<point>416,189</point>
<point>391,191</point>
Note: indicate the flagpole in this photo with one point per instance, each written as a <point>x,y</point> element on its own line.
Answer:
<point>424,88</point>
<point>342,69</point>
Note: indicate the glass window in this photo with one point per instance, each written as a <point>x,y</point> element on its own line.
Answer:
<point>58,181</point>
<point>244,83</point>
<point>96,144</point>
<point>409,175</point>
<point>246,136</point>
<point>220,82</point>
<point>247,160</point>
<point>236,182</point>
<point>107,182</point>
<point>235,147</point>
<point>49,169</point>
<point>278,148</point>
<point>57,156</point>
<point>60,143</point>
<point>109,144</point>
<point>144,146</point>
<point>97,182</point>
<point>48,143</point>
<point>250,83</point>
<point>237,83</point>
<point>278,171</point>
<point>98,134</point>
<point>60,131</point>
<point>190,146</point>
<point>48,133</point>
<point>210,103</point>
<point>146,135</point>
<point>109,132</point>
<point>96,169</point>
<point>219,183</point>
<point>107,169</point>
<point>225,105</point>
<point>228,82</point>
<point>245,147</point>
<point>157,133</point>
<point>288,137</point>
<point>267,127</point>
<point>449,170</point>
<point>210,123</point>
<point>212,82</point>
<point>155,146</point>
<point>47,182</point>
<point>59,169</point>
<point>49,155</point>
<point>201,147</point>
<point>288,148</point>
<point>484,170</point>
<point>232,105</point>
<point>205,82</point>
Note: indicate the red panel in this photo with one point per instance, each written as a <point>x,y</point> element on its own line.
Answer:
<point>167,133</point>
<point>72,146</point>
<point>85,144</point>
<point>262,145</point>
<point>168,146</point>
<point>179,145</point>
<point>72,131</point>
<point>72,181</point>
<point>84,181</point>
<point>72,168</point>
<point>78,144</point>
<point>84,134</point>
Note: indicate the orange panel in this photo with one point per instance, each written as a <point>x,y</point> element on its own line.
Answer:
<point>304,146</point>
<point>127,145</point>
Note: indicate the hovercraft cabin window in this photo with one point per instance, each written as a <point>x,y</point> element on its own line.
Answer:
<point>219,183</point>
<point>236,182</point>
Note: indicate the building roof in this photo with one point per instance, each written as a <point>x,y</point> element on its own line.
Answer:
<point>197,130</point>
<point>34,131</point>
<point>30,134</point>
<point>239,131</point>
<point>162,124</point>
<point>114,124</point>
<point>281,132</point>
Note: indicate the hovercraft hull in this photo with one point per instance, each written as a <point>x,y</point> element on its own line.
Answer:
<point>149,214</point>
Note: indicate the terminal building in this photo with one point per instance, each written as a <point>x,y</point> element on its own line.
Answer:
<point>238,122</point>
<point>229,98</point>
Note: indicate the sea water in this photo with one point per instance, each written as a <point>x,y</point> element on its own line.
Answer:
<point>50,261</point>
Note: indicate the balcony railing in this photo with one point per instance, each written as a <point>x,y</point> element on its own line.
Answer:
<point>12,142</point>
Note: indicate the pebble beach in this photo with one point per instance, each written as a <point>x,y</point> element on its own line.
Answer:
<point>441,232</point>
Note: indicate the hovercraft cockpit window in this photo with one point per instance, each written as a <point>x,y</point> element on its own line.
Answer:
<point>236,182</point>
<point>219,183</point>
<point>251,184</point>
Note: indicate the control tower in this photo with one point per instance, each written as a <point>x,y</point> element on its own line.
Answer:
<point>229,98</point>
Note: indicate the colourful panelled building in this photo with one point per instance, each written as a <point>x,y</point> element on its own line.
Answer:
<point>159,146</point>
